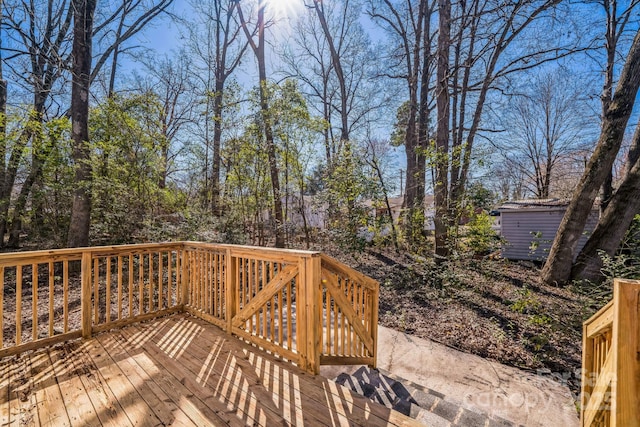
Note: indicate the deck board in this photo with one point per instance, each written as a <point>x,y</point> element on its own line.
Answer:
<point>5,371</point>
<point>48,397</point>
<point>177,370</point>
<point>153,395</point>
<point>79,408</point>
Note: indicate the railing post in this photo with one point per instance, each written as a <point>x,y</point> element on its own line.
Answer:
<point>230,288</point>
<point>85,298</point>
<point>625,387</point>
<point>313,306</point>
<point>375,295</point>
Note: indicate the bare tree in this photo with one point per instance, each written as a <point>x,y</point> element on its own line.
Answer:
<point>40,32</point>
<point>544,129</point>
<point>412,59</point>
<point>557,269</point>
<point>3,103</point>
<point>376,155</point>
<point>485,45</point>
<point>169,79</point>
<point>129,18</point>
<point>258,47</point>
<point>214,62</point>
<point>43,39</point>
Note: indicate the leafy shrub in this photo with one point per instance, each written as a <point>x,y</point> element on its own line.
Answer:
<point>481,238</point>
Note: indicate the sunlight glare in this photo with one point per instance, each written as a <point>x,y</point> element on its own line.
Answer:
<point>285,9</point>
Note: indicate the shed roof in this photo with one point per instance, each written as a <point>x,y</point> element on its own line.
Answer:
<point>530,204</point>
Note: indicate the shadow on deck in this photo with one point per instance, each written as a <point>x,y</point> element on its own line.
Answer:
<point>176,370</point>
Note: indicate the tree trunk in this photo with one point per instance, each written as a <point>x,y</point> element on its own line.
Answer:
<point>3,142</point>
<point>614,222</point>
<point>442,131</point>
<point>82,39</point>
<point>413,203</point>
<point>40,153</point>
<point>611,228</point>
<point>607,89</point>
<point>557,269</point>
<point>217,142</point>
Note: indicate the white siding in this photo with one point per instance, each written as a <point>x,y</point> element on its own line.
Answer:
<point>521,227</point>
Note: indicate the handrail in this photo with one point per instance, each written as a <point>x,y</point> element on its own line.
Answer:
<point>610,394</point>
<point>301,305</point>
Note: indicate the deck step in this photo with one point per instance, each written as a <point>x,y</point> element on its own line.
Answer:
<point>428,406</point>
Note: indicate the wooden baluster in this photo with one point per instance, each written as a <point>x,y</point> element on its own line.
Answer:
<point>170,282</point>
<point>280,322</point>
<point>336,325</point>
<point>108,290</point>
<point>272,318</point>
<point>51,295</point>
<point>213,284</point>
<point>327,319</point>
<point>160,280</point>
<point>152,295</point>
<point>289,316</point>
<point>263,309</point>
<point>65,295</point>
<point>96,291</point>
<point>34,301</point>
<point>18,305</point>
<point>184,277</point>
<point>130,283</point>
<point>141,283</point>
<point>230,288</point>
<point>120,268</point>
<point>350,329</point>
<point>198,288</point>
<point>224,295</point>
<point>203,281</point>
<point>209,283</point>
<point>216,287</point>
<point>240,277</point>
<point>85,299</point>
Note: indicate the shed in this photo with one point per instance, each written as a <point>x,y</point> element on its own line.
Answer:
<point>528,227</point>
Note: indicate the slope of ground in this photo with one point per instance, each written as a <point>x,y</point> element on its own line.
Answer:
<point>492,308</point>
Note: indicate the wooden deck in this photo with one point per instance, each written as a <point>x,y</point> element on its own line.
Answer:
<point>176,370</point>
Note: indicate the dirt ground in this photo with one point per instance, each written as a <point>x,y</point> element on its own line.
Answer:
<point>492,308</point>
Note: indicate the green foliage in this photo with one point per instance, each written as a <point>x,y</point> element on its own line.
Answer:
<point>347,187</point>
<point>480,197</point>
<point>620,265</point>
<point>248,194</point>
<point>625,263</point>
<point>526,302</point>
<point>481,239</point>
<point>127,145</point>
<point>399,132</point>
<point>54,194</point>
<point>534,245</point>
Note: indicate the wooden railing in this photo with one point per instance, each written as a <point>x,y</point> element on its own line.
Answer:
<point>611,360</point>
<point>303,306</point>
<point>350,315</point>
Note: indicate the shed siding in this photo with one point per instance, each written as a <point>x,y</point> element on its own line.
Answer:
<point>520,228</point>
